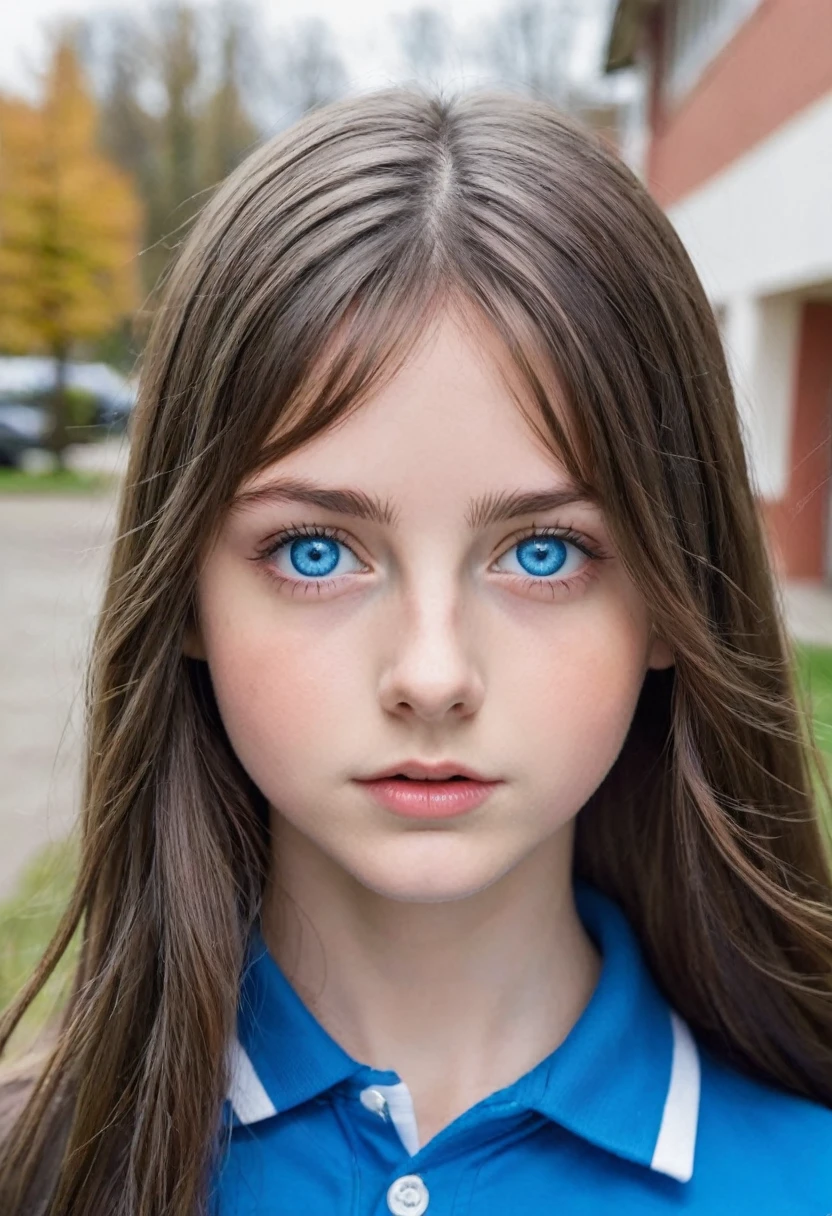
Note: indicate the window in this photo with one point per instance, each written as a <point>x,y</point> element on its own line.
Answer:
<point>697,30</point>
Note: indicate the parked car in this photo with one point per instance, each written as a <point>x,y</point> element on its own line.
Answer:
<point>22,427</point>
<point>110,395</point>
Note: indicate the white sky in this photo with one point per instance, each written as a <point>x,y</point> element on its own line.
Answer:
<point>364,29</point>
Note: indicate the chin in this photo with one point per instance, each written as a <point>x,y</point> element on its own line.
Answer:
<point>426,893</point>
<point>429,881</point>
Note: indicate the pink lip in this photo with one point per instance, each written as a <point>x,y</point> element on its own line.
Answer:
<point>416,799</point>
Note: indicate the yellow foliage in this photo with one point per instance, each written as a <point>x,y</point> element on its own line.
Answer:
<point>69,220</point>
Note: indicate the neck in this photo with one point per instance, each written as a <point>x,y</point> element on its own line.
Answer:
<point>459,998</point>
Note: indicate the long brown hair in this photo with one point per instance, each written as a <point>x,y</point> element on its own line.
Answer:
<point>342,235</point>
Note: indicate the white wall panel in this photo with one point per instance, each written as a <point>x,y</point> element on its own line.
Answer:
<point>764,224</point>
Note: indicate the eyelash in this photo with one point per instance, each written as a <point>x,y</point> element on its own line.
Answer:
<point>293,531</point>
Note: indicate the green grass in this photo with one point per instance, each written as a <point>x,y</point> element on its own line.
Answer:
<point>29,916</point>
<point>814,667</point>
<point>56,481</point>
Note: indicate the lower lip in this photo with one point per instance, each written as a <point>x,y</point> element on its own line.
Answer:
<point>429,799</point>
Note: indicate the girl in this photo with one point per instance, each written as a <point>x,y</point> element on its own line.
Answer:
<point>449,841</point>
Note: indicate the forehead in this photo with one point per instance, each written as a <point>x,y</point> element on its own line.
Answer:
<point>451,419</point>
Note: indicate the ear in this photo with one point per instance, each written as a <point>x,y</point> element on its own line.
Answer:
<point>660,655</point>
<point>193,646</point>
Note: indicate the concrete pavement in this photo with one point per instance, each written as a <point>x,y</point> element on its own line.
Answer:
<point>53,553</point>
<point>808,608</point>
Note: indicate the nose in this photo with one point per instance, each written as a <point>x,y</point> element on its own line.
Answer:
<point>432,674</point>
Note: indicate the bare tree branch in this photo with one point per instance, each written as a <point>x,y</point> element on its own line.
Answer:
<point>530,46</point>
<point>309,71</point>
<point>423,36</point>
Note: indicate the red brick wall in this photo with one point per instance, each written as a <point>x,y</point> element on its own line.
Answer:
<point>798,522</point>
<point>778,62</point>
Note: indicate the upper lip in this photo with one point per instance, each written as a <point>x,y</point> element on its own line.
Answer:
<point>419,770</point>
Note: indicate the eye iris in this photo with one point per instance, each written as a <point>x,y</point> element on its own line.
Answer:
<point>315,555</point>
<point>541,555</point>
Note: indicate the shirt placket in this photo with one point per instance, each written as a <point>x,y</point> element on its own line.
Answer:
<point>437,1180</point>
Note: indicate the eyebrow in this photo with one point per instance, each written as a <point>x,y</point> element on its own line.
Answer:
<point>482,512</point>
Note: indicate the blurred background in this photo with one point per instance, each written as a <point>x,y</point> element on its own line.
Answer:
<point>116,123</point>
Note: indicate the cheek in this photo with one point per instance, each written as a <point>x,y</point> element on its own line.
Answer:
<point>284,685</point>
<point>574,688</point>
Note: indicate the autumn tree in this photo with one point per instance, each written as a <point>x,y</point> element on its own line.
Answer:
<point>69,224</point>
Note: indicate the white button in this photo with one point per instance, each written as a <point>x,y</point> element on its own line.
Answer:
<point>408,1196</point>
<point>374,1101</point>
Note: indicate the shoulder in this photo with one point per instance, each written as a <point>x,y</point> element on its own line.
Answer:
<point>771,1148</point>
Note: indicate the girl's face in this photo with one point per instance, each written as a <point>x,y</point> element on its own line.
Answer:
<point>389,598</point>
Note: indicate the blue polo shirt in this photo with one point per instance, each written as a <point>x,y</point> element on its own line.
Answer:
<point>627,1116</point>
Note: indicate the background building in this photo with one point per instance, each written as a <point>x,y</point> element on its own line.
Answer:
<point>732,132</point>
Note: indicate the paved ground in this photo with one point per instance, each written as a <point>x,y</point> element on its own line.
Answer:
<point>52,557</point>
<point>809,611</point>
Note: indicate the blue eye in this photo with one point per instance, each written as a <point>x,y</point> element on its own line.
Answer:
<point>542,556</point>
<point>314,556</point>
<point>305,556</point>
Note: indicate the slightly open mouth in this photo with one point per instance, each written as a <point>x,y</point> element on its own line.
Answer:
<point>401,777</point>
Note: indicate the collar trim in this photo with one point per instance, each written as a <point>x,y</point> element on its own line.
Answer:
<point>676,1141</point>
<point>246,1092</point>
